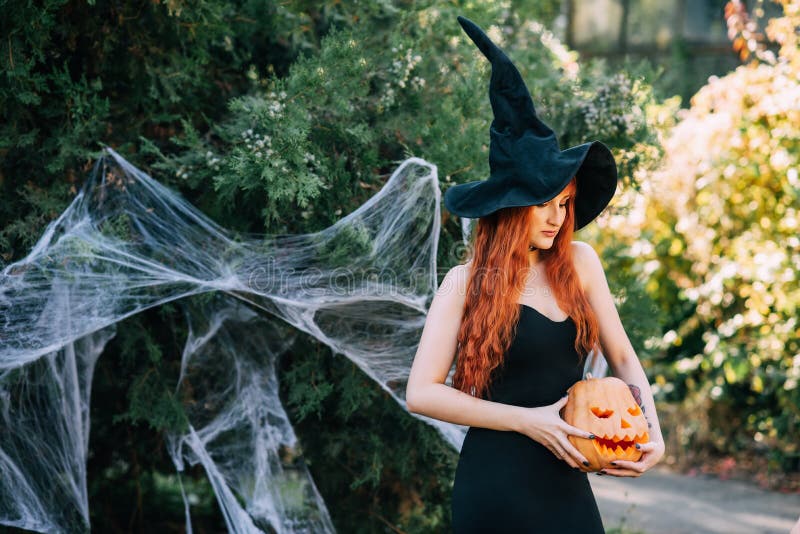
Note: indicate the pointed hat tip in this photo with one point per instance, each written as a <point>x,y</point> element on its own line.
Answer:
<point>479,37</point>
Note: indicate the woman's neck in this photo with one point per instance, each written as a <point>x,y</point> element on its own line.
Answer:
<point>533,257</point>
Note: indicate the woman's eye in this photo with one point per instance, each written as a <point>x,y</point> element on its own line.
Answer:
<point>546,203</point>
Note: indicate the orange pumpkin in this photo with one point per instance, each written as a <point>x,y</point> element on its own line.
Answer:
<point>606,408</point>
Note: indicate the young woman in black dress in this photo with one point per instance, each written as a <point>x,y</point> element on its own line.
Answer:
<point>520,317</point>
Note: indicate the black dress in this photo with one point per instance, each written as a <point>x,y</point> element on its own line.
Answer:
<point>507,482</point>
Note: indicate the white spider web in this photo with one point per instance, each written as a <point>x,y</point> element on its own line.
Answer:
<point>127,243</point>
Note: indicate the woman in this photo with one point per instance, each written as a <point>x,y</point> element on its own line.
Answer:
<point>520,317</point>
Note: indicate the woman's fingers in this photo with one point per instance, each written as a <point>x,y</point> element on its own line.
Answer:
<point>553,432</point>
<point>624,468</point>
<point>620,472</point>
<point>575,431</point>
<point>558,451</point>
<point>564,455</point>
<point>567,452</point>
<point>574,453</point>
<point>648,447</point>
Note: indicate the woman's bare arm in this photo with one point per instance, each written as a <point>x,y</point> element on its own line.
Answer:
<point>619,352</point>
<point>426,391</point>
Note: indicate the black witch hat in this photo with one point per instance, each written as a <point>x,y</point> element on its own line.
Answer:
<point>526,165</point>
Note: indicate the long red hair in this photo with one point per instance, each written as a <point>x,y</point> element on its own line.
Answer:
<point>500,265</point>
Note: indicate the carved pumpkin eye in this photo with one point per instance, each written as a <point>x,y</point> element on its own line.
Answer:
<point>602,414</point>
<point>634,411</point>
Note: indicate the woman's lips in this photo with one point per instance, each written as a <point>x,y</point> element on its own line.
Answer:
<point>549,234</point>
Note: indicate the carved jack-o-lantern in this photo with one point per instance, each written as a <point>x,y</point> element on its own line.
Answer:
<point>606,408</point>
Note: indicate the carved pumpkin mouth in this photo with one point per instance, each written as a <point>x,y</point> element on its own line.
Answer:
<point>619,445</point>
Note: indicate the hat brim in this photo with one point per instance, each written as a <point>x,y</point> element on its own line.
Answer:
<point>592,164</point>
<point>597,183</point>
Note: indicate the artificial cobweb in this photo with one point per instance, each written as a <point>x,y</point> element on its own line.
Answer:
<point>127,243</point>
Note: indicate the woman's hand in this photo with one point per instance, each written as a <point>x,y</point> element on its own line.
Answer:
<point>652,453</point>
<point>545,425</point>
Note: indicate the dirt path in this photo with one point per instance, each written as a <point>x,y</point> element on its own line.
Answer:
<point>662,502</point>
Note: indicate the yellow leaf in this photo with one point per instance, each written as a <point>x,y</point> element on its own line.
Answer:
<point>758,384</point>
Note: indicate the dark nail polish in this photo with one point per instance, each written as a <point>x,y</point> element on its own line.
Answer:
<point>638,446</point>
<point>614,464</point>
<point>600,473</point>
<point>592,436</point>
<point>586,464</point>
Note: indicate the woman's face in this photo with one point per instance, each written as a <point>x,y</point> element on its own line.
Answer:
<point>548,217</point>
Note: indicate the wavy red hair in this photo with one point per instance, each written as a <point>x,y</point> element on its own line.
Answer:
<point>500,265</point>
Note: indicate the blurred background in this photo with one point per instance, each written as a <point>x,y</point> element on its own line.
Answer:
<point>699,100</point>
<point>688,38</point>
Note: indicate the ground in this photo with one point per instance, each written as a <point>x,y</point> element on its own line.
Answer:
<point>663,502</point>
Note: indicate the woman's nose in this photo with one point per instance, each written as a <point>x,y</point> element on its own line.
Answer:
<point>555,216</point>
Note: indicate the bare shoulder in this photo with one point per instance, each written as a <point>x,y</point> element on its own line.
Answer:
<point>584,252</point>
<point>453,288</point>
<point>587,264</point>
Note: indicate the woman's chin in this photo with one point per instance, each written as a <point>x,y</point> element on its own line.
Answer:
<point>544,243</point>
